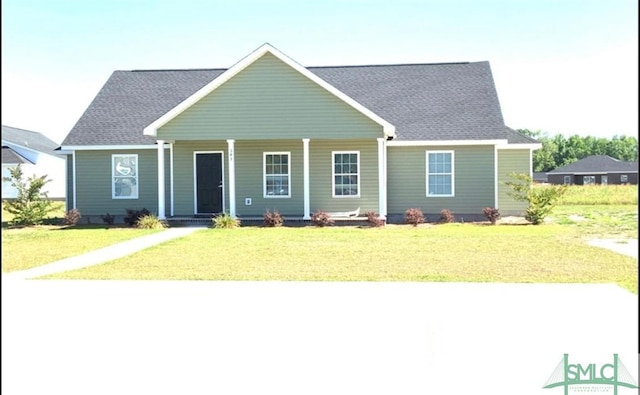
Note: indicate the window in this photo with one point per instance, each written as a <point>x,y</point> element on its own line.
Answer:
<point>346,174</point>
<point>604,180</point>
<point>440,173</point>
<point>587,180</point>
<point>277,173</point>
<point>567,179</point>
<point>624,178</point>
<point>124,169</point>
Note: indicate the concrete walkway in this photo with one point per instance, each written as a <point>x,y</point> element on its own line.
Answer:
<point>102,255</point>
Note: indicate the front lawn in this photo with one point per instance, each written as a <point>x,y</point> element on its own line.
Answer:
<point>453,252</point>
<point>24,248</point>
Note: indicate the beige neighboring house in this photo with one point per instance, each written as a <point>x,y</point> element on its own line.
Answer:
<point>38,156</point>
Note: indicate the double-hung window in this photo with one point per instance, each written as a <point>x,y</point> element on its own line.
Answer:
<point>440,173</point>
<point>588,180</point>
<point>277,174</point>
<point>346,173</point>
<point>624,178</point>
<point>124,180</point>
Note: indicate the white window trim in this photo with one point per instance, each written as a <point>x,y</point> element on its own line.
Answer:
<point>113,177</point>
<point>626,178</point>
<point>264,175</point>
<point>453,173</point>
<point>592,180</point>
<point>566,180</point>
<point>333,174</point>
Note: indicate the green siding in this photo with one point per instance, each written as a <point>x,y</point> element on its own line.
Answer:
<point>473,177</point>
<point>249,176</point>
<point>511,161</point>
<point>93,178</point>
<point>269,100</point>
<point>321,173</point>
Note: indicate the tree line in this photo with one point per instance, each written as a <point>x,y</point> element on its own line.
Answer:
<point>558,151</point>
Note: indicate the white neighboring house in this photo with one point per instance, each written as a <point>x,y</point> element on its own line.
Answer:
<point>38,156</point>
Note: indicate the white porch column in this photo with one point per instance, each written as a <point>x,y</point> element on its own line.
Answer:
<point>232,178</point>
<point>382,179</point>
<point>161,192</point>
<point>305,171</point>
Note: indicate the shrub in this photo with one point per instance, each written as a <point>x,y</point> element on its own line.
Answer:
<point>492,214</point>
<point>108,219</point>
<point>31,205</point>
<point>413,216</point>
<point>373,219</point>
<point>320,218</point>
<point>71,217</point>
<point>150,221</point>
<point>273,219</point>
<point>446,216</point>
<point>225,221</point>
<point>541,200</point>
<point>133,216</point>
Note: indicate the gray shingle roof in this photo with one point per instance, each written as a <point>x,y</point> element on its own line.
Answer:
<point>28,139</point>
<point>515,137</point>
<point>9,156</point>
<point>453,101</point>
<point>597,164</point>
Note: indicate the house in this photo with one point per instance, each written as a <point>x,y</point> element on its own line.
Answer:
<point>540,177</point>
<point>37,156</point>
<point>596,169</point>
<point>270,134</point>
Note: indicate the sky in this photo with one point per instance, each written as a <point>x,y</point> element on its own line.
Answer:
<point>560,66</point>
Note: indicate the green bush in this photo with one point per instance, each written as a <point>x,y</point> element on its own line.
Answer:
<point>541,200</point>
<point>273,219</point>
<point>150,221</point>
<point>413,216</point>
<point>321,218</point>
<point>31,206</point>
<point>225,221</point>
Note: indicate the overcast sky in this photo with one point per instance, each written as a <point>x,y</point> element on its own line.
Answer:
<point>560,66</point>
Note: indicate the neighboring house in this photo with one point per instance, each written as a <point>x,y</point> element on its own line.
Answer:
<point>540,177</point>
<point>596,169</point>
<point>270,134</point>
<point>37,156</point>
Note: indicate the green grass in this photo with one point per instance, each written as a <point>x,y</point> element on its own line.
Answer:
<point>600,195</point>
<point>555,252</point>
<point>601,221</point>
<point>24,248</point>
<point>453,252</point>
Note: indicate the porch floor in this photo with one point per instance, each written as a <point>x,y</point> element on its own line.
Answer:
<point>255,221</point>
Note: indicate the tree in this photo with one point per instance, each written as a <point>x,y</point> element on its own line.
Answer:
<point>541,199</point>
<point>31,205</point>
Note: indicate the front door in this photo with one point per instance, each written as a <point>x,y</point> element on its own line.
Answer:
<point>209,187</point>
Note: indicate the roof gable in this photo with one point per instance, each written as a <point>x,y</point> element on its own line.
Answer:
<point>152,129</point>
